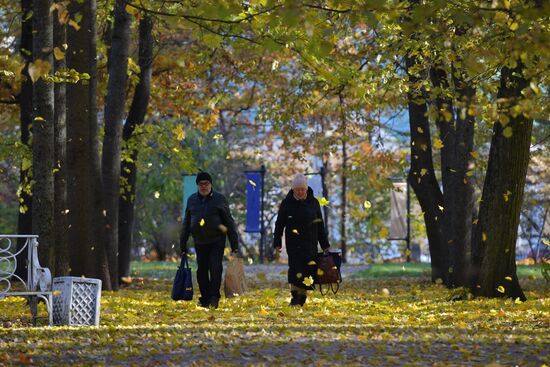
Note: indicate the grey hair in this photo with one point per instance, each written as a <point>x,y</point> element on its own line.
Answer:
<point>299,181</point>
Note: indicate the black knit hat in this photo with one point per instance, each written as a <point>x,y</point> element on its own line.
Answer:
<point>203,176</point>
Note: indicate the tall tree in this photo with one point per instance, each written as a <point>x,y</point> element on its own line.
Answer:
<point>24,222</point>
<point>43,130</point>
<point>136,117</point>
<point>60,140</point>
<point>114,118</point>
<point>495,234</point>
<point>87,255</point>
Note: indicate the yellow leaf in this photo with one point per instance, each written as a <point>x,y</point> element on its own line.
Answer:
<point>508,279</point>
<point>438,144</point>
<point>298,275</point>
<point>518,301</point>
<point>320,272</point>
<point>484,236</point>
<point>440,207</point>
<point>423,172</point>
<point>26,164</point>
<point>131,10</point>
<point>546,242</point>
<point>56,293</point>
<point>514,26</point>
<point>420,130</point>
<point>74,24</point>
<point>507,195</point>
<point>322,201</point>
<point>407,252</point>
<point>507,132</point>
<point>263,312</point>
<point>475,155</point>
<point>447,115</point>
<point>126,280</point>
<point>384,232</point>
<point>501,289</point>
<point>367,204</point>
<point>157,194</point>
<point>295,231</point>
<point>179,132</point>
<point>201,223</point>
<point>308,281</point>
<point>470,173</point>
<point>312,263</point>
<point>38,68</point>
<point>58,54</point>
<point>252,183</point>
<point>424,147</point>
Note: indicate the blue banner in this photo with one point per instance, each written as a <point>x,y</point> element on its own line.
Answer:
<point>253,201</point>
<point>189,188</point>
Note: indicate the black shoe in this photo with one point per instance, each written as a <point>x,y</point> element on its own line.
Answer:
<point>214,301</point>
<point>203,302</point>
<point>302,299</point>
<point>294,301</point>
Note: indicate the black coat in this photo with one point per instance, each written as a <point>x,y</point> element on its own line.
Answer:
<point>214,210</point>
<point>303,224</point>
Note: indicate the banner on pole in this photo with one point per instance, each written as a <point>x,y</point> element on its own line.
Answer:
<point>253,201</point>
<point>398,223</point>
<point>189,188</point>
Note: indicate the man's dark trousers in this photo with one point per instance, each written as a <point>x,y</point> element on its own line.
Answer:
<point>209,271</point>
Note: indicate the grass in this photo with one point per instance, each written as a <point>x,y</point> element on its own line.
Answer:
<point>374,320</point>
<point>416,270</point>
<point>166,270</point>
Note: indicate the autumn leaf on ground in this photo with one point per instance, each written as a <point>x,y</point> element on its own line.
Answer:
<point>179,132</point>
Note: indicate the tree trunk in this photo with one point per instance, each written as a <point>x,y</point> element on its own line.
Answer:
<point>60,176</point>
<point>114,117</point>
<point>457,138</point>
<point>24,220</point>
<point>84,185</point>
<point>421,174</point>
<point>136,116</point>
<point>496,232</point>
<point>43,135</point>
<point>461,201</point>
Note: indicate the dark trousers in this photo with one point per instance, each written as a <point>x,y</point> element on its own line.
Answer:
<point>209,269</point>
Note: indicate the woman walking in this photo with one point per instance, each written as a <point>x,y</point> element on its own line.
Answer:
<point>300,218</point>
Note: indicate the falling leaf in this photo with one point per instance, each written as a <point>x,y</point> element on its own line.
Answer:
<point>508,278</point>
<point>475,155</point>
<point>385,291</point>
<point>308,281</point>
<point>506,195</point>
<point>312,262</point>
<point>501,289</point>
<point>320,272</point>
<point>423,172</point>
<point>295,231</point>
<point>367,204</point>
<point>518,301</point>
<point>157,194</point>
<point>514,26</point>
<point>298,275</point>
<point>546,242</point>
<point>252,183</point>
<point>322,201</point>
<point>58,54</point>
<point>250,261</point>
<point>74,24</point>
<point>440,207</point>
<point>420,130</point>
<point>483,236</point>
<point>424,147</point>
<point>201,223</point>
<point>438,144</point>
<point>126,280</point>
<point>38,69</point>
<point>218,137</point>
<point>56,292</point>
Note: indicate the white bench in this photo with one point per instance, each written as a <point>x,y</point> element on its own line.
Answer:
<point>38,284</point>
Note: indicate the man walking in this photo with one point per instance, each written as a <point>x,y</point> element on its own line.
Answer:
<point>208,219</point>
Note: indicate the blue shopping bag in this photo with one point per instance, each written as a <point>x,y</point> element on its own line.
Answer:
<point>182,290</point>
